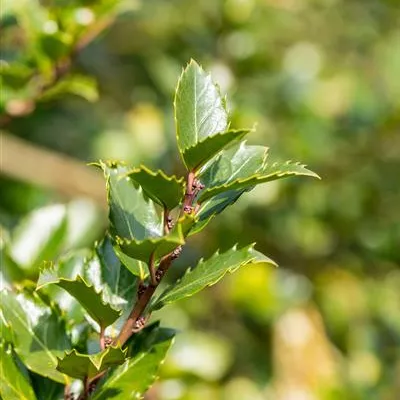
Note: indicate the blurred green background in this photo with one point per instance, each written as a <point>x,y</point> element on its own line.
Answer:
<point>321,78</point>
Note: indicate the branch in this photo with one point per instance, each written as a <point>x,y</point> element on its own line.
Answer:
<point>60,69</point>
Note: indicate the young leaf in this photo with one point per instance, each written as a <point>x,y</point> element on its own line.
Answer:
<point>167,191</point>
<point>197,155</point>
<point>81,366</point>
<point>269,172</point>
<point>132,214</point>
<point>142,250</point>
<point>14,384</point>
<point>103,313</point>
<point>136,267</point>
<point>209,272</point>
<point>132,379</point>
<point>200,110</point>
<point>39,333</point>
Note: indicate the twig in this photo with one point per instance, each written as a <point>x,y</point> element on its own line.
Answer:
<point>153,278</point>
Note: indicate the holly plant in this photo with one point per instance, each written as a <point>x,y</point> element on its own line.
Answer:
<point>82,331</point>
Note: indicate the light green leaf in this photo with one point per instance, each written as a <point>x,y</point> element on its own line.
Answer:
<point>168,191</point>
<point>91,300</point>
<point>132,379</point>
<point>132,214</point>
<point>79,85</point>
<point>14,384</point>
<point>200,111</point>
<point>81,366</point>
<point>142,250</point>
<point>197,155</point>
<point>39,333</point>
<point>209,272</point>
<point>38,237</point>
<point>55,45</point>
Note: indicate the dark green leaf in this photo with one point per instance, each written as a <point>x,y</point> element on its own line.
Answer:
<point>215,205</point>
<point>200,111</point>
<point>132,214</point>
<point>269,172</point>
<point>197,155</point>
<point>209,272</point>
<point>168,191</point>
<point>81,366</point>
<point>132,379</point>
<point>39,333</point>
<point>14,384</point>
<point>110,274</point>
<point>46,389</point>
<point>142,250</point>
<point>91,300</point>
<point>137,267</point>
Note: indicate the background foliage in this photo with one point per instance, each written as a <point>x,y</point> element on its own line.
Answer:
<point>322,79</point>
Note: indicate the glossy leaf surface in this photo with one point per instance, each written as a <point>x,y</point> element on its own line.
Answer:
<point>39,333</point>
<point>132,214</point>
<point>14,383</point>
<point>200,111</point>
<point>91,300</point>
<point>209,272</point>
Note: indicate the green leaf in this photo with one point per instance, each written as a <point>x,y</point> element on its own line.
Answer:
<point>142,250</point>
<point>91,300</point>
<point>209,272</point>
<point>78,85</point>
<point>200,111</point>
<point>39,333</point>
<point>270,172</point>
<point>55,45</point>
<point>14,384</point>
<point>81,366</point>
<point>213,206</point>
<point>132,214</point>
<point>15,75</point>
<point>38,237</point>
<point>132,379</point>
<point>167,191</point>
<point>197,155</point>
<point>113,275</point>
<point>46,389</point>
<point>136,267</point>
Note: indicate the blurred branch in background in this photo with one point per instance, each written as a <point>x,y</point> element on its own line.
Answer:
<point>36,165</point>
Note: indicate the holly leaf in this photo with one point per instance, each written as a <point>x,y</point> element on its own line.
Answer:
<point>81,366</point>
<point>136,267</point>
<point>200,111</point>
<point>142,250</point>
<point>213,206</point>
<point>14,381</point>
<point>209,272</point>
<point>90,299</point>
<point>132,214</point>
<point>167,191</point>
<point>197,155</point>
<point>136,375</point>
<point>39,333</point>
<point>270,172</point>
